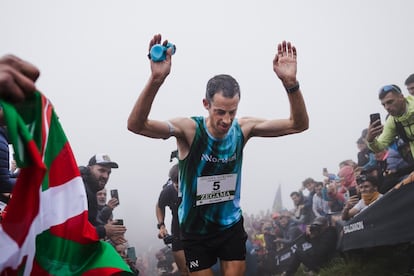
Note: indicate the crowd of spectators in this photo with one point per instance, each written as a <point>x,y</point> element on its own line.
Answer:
<point>327,204</point>
<point>336,198</point>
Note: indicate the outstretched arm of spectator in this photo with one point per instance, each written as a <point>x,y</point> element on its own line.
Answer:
<point>349,212</point>
<point>379,137</point>
<point>17,78</point>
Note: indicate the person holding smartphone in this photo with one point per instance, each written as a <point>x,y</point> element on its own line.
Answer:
<point>368,189</point>
<point>95,177</point>
<point>105,207</point>
<point>400,120</point>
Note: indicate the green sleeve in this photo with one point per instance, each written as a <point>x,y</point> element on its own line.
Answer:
<point>386,137</point>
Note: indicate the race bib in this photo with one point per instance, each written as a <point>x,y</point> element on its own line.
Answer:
<point>215,188</point>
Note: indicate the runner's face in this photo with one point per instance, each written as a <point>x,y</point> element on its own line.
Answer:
<point>222,112</point>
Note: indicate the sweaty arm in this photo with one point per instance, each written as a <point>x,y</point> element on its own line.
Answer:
<point>183,129</point>
<point>138,121</point>
<point>285,67</point>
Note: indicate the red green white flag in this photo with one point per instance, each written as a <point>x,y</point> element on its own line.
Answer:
<point>46,229</point>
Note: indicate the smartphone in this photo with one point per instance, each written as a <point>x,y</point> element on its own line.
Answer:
<point>119,222</point>
<point>375,117</point>
<point>352,191</point>
<point>114,194</point>
<point>131,254</point>
<point>325,171</point>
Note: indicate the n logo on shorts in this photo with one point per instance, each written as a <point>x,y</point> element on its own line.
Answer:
<point>194,264</point>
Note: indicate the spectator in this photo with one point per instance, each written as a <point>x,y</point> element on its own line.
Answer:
<point>409,82</point>
<point>323,239</point>
<point>14,170</point>
<point>366,158</point>
<point>398,123</point>
<point>210,151</point>
<point>251,257</point>
<point>347,178</point>
<point>95,176</point>
<point>169,197</point>
<point>348,162</point>
<point>395,163</point>
<point>368,187</point>
<point>336,202</point>
<point>7,182</point>
<point>269,234</point>
<point>122,251</point>
<point>301,213</point>
<point>393,168</point>
<point>105,208</point>
<point>288,230</point>
<point>141,266</point>
<point>335,199</point>
<point>320,206</point>
<point>309,184</point>
<point>165,263</point>
<point>266,261</point>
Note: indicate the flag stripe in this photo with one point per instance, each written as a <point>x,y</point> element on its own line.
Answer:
<point>74,227</point>
<point>46,122</point>
<point>46,230</point>
<point>63,257</point>
<point>23,207</point>
<point>56,142</point>
<point>57,176</point>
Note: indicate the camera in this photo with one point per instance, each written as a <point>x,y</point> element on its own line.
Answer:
<point>168,239</point>
<point>158,51</point>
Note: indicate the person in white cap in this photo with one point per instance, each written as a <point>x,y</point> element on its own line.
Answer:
<point>95,177</point>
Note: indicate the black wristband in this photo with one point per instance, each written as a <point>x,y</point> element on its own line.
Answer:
<point>293,88</point>
<point>160,224</point>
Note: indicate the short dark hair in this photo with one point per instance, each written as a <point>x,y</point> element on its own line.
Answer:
<point>372,179</point>
<point>318,183</point>
<point>391,88</point>
<point>225,84</point>
<point>173,173</point>
<point>409,80</point>
<point>308,181</point>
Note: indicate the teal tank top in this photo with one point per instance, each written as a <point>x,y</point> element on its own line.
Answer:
<point>210,180</point>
